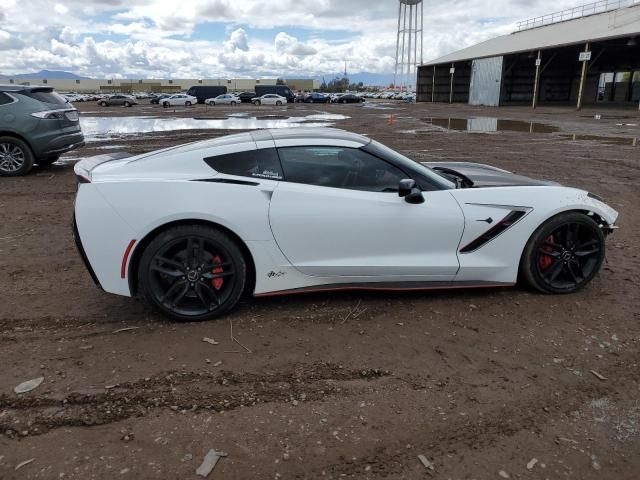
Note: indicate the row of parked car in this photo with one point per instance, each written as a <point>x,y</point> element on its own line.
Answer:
<point>407,96</point>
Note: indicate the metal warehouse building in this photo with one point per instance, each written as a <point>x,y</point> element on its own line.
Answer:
<point>585,55</point>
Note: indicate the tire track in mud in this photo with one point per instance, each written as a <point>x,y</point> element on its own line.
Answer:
<point>180,391</point>
<point>443,441</point>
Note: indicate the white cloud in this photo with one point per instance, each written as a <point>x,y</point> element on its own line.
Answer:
<point>9,42</point>
<point>287,44</point>
<point>157,38</point>
<point>238,41</point>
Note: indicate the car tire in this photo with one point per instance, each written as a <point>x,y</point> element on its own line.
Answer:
<point>103,104</point>
<point>127,104</point>
<point>563,254</point>
<point>175,287</point>
<point>257,102</point>
<point>16,157</point>
<point>187,104</point>
<point>165,104</point>
<point>279,103</point>
<point>233,103</point>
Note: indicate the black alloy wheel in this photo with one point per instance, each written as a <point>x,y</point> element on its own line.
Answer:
<point>564,254</point>
<point>192,273</point>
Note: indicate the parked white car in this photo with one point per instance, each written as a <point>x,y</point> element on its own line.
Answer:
<point>180,99</point>
<point>225,99</point>
<point>285,211</point>
<point>269,99</point>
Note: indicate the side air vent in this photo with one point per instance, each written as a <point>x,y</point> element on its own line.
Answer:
<point>494,231</point>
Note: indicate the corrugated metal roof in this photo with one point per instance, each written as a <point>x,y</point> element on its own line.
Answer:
<point>617,23</point>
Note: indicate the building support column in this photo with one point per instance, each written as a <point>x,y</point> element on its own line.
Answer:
<point>433,86</point>
<point>536,84</point>
<point>451,85</point>
<point>583,76</point>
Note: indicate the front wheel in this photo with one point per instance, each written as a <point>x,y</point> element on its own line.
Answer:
<point>187,104</point>
<point>165,104</point>
<point>103,104</point>
<point>127,104</point>
<point>564,254</point>
<point>279,103</point>
<point>233,103</point>
<point>192,273</point>
<point>257,102</point>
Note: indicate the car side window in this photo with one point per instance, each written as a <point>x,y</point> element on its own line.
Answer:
<point>339,167</point>
<point>5,99</point>
<point>263,163</point>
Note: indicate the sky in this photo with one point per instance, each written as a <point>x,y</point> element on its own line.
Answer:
<point>237,38</point>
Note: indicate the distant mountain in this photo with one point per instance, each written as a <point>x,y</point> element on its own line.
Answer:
<point>49,75</point>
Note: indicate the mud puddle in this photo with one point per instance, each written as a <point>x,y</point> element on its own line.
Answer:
<point>495,125</point>
<point>490,125</point>
<point>103,128</point>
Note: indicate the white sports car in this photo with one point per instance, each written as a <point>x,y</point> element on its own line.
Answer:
<point>191,228</point>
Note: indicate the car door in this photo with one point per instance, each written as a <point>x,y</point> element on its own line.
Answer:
<point>338,213</point>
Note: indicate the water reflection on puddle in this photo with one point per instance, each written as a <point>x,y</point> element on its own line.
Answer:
<point>493,125</point>
<point>490,125</point>
<point>102,128</point>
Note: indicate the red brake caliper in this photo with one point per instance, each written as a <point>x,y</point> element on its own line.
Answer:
<point>217,282</point>
<point>545,261</point>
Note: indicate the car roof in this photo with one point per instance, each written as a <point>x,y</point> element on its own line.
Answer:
<point>302,134</point>
<point>21,88</point>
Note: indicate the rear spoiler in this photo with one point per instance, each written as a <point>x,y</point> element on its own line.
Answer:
<point>83,168</point>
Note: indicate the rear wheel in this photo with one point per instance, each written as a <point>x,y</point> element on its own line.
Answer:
<point>192,273</point>
<point>564,254</point>
<point>15,157</point>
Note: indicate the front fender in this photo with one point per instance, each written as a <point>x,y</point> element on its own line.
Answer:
<point>498,259</point>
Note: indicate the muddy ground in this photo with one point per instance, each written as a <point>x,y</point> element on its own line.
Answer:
<point>336,385</point>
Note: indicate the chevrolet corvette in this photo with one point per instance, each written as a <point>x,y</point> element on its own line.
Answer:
<point>269,212</point>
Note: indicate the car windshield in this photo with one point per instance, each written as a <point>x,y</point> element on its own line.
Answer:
<point>402,161</point>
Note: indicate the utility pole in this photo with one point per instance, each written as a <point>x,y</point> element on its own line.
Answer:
<point>584,58</point>
<point>534,103</point>
<point>452,71</point>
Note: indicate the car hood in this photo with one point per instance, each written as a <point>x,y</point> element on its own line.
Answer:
<point>488,176</point>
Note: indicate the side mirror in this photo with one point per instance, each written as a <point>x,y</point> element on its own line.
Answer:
<point>406,185</point>
<point>410,191</point>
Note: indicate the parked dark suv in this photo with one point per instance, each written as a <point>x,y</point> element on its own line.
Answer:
<point>36,126</point>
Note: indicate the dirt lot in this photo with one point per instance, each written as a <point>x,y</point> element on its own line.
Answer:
<point>352,385</point>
